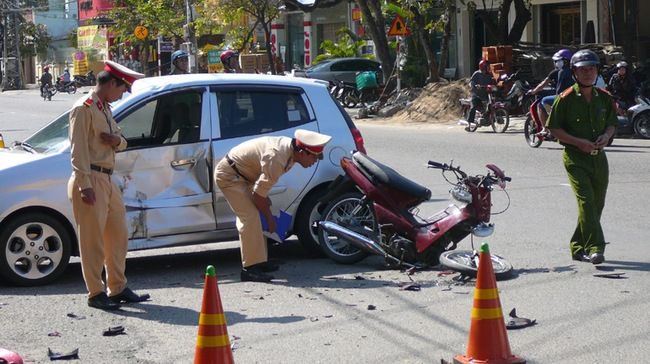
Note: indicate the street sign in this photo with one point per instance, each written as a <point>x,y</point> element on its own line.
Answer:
<point>398,27</point>
<point>141,32</point>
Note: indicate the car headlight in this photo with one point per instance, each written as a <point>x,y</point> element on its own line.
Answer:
<point>461,194</point>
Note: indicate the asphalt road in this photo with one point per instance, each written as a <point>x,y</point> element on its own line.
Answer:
<point>319,311</point>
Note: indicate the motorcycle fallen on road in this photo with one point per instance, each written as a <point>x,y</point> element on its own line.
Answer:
<point>380,216</point>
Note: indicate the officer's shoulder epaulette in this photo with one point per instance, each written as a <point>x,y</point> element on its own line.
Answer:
<point>567,92</point>
<point>88,102</point>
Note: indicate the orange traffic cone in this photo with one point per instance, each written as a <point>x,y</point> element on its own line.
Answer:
<point>488,340</point>
<point>212,343</point>
<point>2,142</point>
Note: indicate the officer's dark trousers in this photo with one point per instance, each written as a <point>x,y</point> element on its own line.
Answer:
<point>588,176</point>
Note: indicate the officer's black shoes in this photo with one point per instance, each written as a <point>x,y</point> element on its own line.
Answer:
<point>580,257</point>
<point>255,274</point>
<point>128,296</point>
<point>596,258</point>
<point>102,302</point>
<point>265,267</point>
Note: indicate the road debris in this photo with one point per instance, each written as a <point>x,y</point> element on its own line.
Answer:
<point>76,317</point>
<point>114,331</point>
<point>410,286</point>
<point>55,333</point>
<point>371,307</point>
<point>516,322</point>
<point>614,275</point>
<point>74,354</point>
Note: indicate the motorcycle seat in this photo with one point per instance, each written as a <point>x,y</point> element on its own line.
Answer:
<point>383,174</point>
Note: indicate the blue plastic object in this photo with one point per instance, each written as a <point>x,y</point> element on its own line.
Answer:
<point>282,223</point>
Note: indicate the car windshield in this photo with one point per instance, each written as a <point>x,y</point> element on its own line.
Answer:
<point>52,137</point>
<point>319,67</point>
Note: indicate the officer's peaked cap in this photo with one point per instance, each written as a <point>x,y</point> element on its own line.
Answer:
<point>123,73</point>
<point>311,141</point>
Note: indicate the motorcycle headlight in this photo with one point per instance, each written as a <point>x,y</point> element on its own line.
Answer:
<point>461,194</point>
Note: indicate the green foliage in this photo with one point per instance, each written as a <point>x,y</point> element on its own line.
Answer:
<point>160,17</point>
<point>344,46</point>
<point>35,40</point>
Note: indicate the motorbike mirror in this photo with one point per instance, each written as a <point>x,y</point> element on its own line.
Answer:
<point>501,176</point>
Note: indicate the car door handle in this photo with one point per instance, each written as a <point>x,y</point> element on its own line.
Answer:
<point>183,162</point>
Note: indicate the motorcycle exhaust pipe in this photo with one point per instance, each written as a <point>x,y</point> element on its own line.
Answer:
<point>353,237</point>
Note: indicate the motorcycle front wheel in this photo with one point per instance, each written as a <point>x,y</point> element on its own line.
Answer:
<point>500,120</point>
<point>466,262</point>
<point>351,213</point>
<point>530,133</point>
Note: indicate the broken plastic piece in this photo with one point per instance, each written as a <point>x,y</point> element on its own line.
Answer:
<point>74,354</point>
<point>114,331</point>
<point>518,322</point>
<point>410,287</point>
<point>615,275</point>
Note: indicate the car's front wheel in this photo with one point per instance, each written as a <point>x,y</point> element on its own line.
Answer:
<point>305,224</point>
<point>34,249</point>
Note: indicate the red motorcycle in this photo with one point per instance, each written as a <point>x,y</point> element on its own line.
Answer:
<point>381,217</point>
<point>534,131</point>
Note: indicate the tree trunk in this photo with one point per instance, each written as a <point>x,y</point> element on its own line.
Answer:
<point>522,17</point>
<point>425,41</point>
<point>450,10</point>
<point>376,24</point>
<point>267,42</point>
<point>144,57</point>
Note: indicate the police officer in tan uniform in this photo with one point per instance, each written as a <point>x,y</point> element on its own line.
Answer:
<point>97,204</point>
<point>245,176</point>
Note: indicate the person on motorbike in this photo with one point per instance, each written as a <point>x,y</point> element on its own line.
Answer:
<point>477,83</point>
<point>66,76</point>
<point>180,63</point>
<point>230,61</point>
<point>560,77</point>
<point>622,85</point>
<point>583,119</point>
<point>46,79</point>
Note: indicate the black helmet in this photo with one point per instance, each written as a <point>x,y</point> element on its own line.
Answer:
<point>583,58</point>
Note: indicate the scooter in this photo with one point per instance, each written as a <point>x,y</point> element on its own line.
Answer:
<point>492,112</point>
<point>517,98</point>
<point>380,216</point>
<point>637,121</point>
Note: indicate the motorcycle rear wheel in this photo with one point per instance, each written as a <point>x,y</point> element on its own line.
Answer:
<point>363,221</point>
<point>500,120</point>
<point>642,125</point>
<point>530,133</point>
<point>466,262</point>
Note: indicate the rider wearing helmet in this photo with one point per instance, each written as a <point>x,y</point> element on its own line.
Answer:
<point>180,63</point>
<point>46,78</point>
<point>230,61</point>
<point>583,119</point>
<point>477,83</point>
<point>622,85</point>
<point>560,77</point>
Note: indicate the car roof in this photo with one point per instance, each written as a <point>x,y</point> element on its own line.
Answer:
<point>162,83</point>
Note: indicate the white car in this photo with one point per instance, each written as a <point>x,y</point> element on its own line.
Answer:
<point>178,128</point>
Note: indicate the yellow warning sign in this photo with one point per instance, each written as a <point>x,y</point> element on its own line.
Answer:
<point>398,27</point>
<point>141,32</point>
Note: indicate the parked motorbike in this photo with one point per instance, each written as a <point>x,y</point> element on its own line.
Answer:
<point>492,112</point>
<point>516,98</point>
<point>381,217</point>
<point>63,86</point>
<point>636,121</point>
<point>88,80</point>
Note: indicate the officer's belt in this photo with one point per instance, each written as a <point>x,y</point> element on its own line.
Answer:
<point>97,168</point>
<point>232,165</point>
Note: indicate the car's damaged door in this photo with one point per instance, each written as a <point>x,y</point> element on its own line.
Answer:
<point>164,173</point>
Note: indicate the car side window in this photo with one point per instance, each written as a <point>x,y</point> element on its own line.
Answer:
<point>254,112</point>
<point>169,119</point>
<point>343,66</point>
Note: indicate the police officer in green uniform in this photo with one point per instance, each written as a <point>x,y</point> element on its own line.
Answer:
<point>583,119</point>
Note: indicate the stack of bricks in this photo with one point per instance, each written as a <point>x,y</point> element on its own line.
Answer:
<point>499,59</point>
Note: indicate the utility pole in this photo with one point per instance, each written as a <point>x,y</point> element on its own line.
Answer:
<point>190,38</point>
<point>11,75</point>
